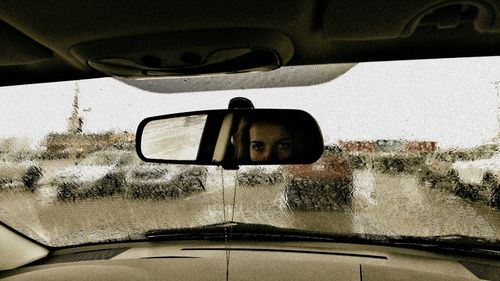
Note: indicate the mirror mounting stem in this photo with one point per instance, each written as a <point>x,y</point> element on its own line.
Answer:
<point>232,167</point>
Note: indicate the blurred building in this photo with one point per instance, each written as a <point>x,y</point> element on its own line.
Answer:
<point>75,121</point>
<point>75,143</point>
<point>68,145</point>
<point>358,146</point>
<point>421,146</point>
<point>388,146</point>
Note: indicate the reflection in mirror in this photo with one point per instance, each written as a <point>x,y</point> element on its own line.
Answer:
<point>276,138</point>
<point>175,138</point>
<point>231,137</point>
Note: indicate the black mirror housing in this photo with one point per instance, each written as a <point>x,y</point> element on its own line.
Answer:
<point>231,137</point>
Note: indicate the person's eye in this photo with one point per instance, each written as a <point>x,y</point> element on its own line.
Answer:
<point>258,147</point>
<point>284,145</point>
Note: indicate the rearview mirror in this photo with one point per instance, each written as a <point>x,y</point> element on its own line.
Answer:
<point>231,137</point>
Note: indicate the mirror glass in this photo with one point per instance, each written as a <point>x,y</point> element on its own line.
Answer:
<point>173,138</point>
<point>231,137</point>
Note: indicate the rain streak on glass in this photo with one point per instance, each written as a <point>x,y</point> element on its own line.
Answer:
<point>411,148</point>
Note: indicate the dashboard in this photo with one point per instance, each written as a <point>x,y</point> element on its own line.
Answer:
<point>251,260</point>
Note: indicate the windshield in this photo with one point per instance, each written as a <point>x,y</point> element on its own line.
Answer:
<point>412,148</point>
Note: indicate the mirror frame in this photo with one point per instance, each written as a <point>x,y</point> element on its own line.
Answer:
<point>229,164</point>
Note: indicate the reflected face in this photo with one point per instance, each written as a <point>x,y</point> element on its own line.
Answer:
<point>269,142</point>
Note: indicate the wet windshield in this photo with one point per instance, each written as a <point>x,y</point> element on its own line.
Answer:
<point>412,148</point>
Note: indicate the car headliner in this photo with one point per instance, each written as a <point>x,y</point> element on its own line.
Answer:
<point>54,40</point>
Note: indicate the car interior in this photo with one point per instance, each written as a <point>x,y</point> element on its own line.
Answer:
<point>56,41</point>
<point>234,44</point>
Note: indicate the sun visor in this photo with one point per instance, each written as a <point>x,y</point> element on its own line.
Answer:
<point>188,53</point>
<point>371,21</point>
<point>18,49</point>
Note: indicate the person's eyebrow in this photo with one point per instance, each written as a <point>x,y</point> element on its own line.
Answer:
<point>256,141</point>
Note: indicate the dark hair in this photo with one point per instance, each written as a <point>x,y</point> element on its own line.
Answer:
<point>241,140</point>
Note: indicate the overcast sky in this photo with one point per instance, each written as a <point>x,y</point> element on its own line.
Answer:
<point>453,102</point>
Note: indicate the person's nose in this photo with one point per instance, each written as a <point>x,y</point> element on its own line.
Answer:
<point>268,155</point>
<point>271,155</point>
